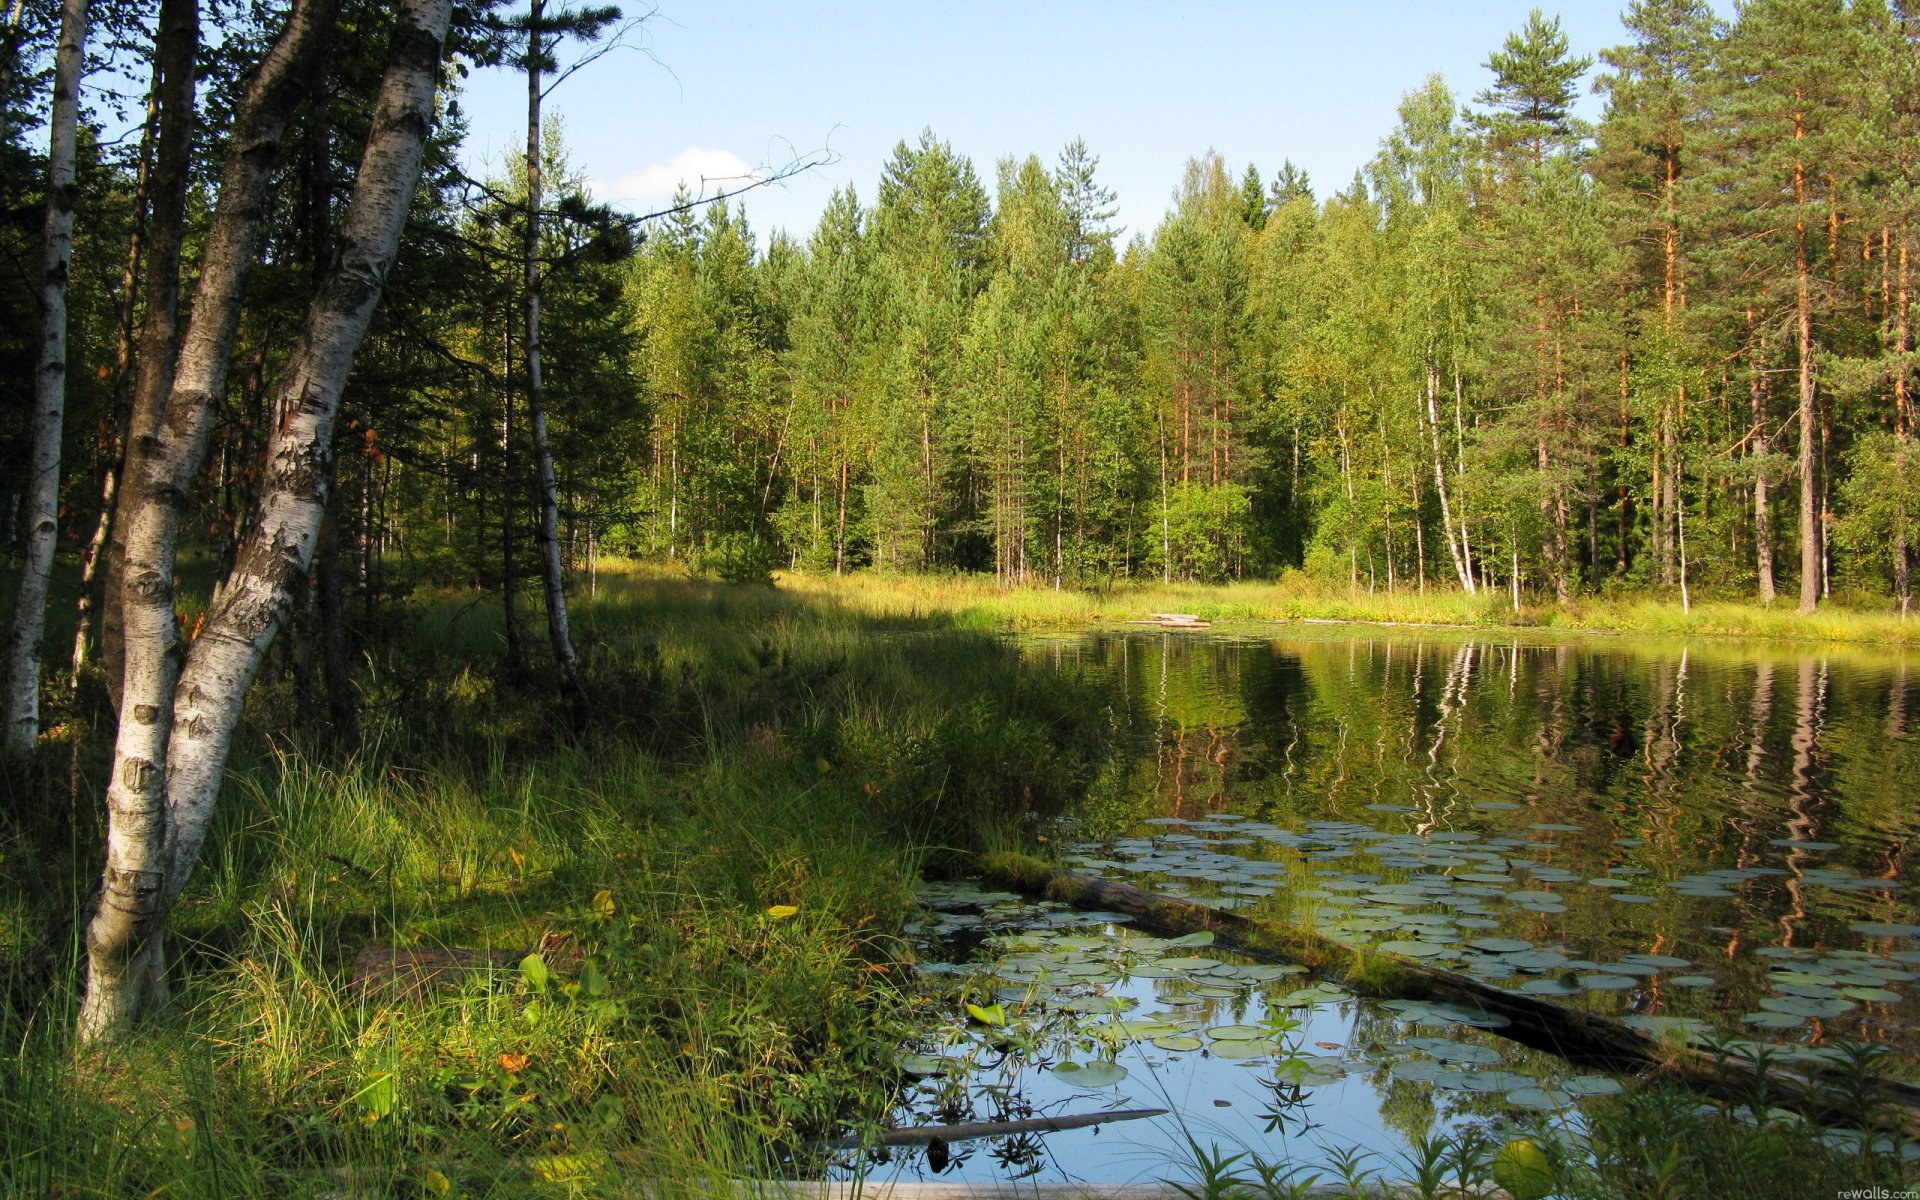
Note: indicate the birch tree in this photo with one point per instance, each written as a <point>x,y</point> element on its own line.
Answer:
<point>22,714</point>
<point>174,736</point>
<point>544,31</point>
<point>175,49</point>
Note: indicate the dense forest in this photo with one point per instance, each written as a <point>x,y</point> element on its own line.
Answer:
<point>1673,349</point>
<point>275,361</point>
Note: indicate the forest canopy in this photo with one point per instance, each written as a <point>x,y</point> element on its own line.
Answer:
<point>1673,346</point>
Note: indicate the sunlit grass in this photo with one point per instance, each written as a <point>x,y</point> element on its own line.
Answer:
<point>976,602</point>
<point>753,749</point>
<point>752,752</point>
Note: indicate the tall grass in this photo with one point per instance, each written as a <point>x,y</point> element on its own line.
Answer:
<point>976,602</point>
<point>720,867</point>
<point>753,751</point>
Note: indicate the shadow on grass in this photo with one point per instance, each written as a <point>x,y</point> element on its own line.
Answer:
<point>751,751</point>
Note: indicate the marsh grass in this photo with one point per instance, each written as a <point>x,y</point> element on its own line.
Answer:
<point>976,602</point>
<point>752,752</point>
<point>815,747</point>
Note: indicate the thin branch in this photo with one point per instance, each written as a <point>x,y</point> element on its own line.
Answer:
<point>615,42</point>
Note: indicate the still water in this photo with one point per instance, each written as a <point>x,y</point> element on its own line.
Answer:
<point>1709,840</point>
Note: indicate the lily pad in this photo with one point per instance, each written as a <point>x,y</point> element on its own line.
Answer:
<point>1416,1070</point>
<point>1090,1075</point>
<point>1411,949</point>
<point>1240,1048</point>
<point>1539,1098</point>
<point>1807,1006</point>
<point>1885,929</point>
<point>1591,1085</point>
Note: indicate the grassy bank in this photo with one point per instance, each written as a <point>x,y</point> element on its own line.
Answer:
<point>977,602</point>
<point>720,868</point>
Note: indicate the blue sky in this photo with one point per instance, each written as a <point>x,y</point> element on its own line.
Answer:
<point>726,86</point>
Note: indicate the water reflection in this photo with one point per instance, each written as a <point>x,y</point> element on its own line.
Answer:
<point>1706,758</point>
<point>1712,838</point>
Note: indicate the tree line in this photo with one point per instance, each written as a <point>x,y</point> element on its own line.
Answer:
<point>278,335</point>
<point>1672,349</point>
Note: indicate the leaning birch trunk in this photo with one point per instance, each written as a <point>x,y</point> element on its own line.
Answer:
<point>552,575</point>
<point>175,51</point>
<point>123,940</point>
<point>279,547</point>
<point>50,394</point>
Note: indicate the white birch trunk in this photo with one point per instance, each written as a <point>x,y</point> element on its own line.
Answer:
<point>1440,482</point>
<point>22,728</point>
<point>176,49</point>
<point>174,742</point>
<point>552,574</point>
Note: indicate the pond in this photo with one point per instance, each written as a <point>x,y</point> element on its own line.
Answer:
<point>1711,841</point>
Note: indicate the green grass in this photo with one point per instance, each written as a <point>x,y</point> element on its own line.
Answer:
<point>976,602</point>
<point>751,747</point>
<point>750,750</point>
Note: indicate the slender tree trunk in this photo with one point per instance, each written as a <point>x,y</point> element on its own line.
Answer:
<point>1460,469</point>
<point>509,569</point>
<point>144,837</point>
<point>1902,425</point>
<point>1440,484</point>
<point>22,728</point>
<point>1166,524</point>
<point>94,555</point>
<point>343,717</point>
<point>1762,519</point>
<point>1812,558</point>
<point>553,575</point>
<point>175,51</point>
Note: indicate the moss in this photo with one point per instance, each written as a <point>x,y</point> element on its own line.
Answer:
<point>1022,872</point>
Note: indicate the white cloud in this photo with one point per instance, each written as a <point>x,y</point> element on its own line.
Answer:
<point>720,169</point>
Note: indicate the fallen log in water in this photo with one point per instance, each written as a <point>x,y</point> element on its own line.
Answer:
<point>921,1135</point>
<point>1580,1037</point>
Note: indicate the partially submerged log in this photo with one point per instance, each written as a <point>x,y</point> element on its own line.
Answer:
<point>921,1135</point>
<point>632,1185</point>
<point>1580,1037</point>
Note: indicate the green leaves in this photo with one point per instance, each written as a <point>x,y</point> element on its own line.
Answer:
<point>533,969</point>
<point>377,1097</point>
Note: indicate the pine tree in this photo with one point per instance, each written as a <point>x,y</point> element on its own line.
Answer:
<point>1531,100</point>
<point>1649,148</point>
<point>1781,101</point>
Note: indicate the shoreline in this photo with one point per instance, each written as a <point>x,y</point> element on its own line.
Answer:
<point>980,602</point>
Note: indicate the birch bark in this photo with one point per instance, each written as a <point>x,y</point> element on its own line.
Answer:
<point>174,54</point>
<point>22,715</point>
<point>552,575</point>
<point>174,739</point>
